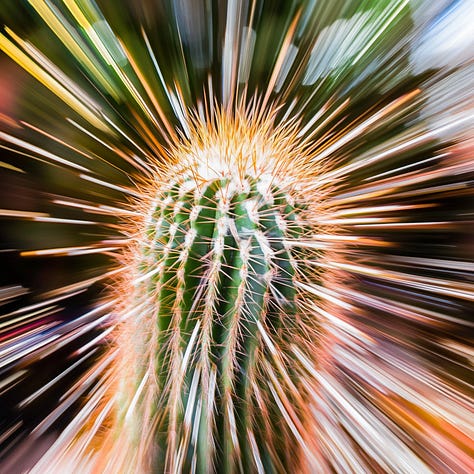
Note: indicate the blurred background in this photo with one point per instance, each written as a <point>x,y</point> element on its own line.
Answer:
<point>77,135</point>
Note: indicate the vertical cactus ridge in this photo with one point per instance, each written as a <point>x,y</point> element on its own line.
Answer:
<point>217,275</point>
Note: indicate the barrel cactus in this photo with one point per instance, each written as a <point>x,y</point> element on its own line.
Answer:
<point>213,310</point>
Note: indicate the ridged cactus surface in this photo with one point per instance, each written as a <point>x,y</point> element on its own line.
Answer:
<point>216,274</point>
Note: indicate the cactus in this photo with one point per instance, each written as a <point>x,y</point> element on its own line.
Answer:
<point>210,384</point>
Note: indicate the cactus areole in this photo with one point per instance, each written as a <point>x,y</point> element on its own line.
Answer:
<point>213,318</point>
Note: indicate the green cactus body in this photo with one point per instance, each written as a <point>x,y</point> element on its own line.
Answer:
<point>215,286</point>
